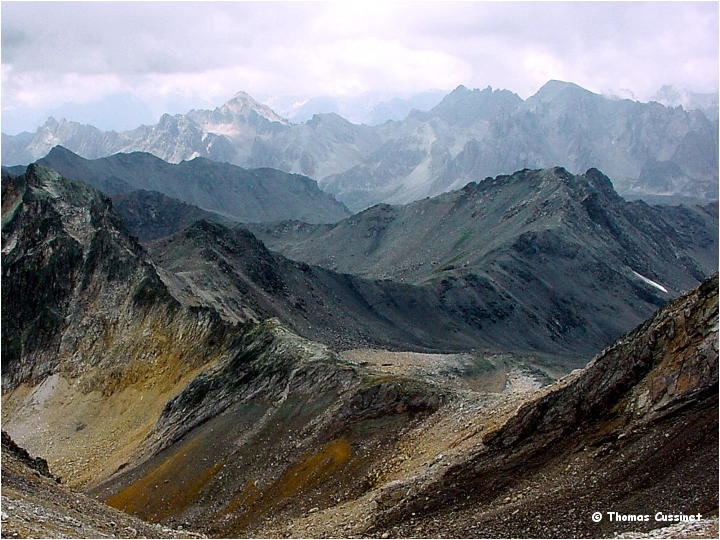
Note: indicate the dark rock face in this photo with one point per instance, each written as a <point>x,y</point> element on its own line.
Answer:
<point>612,437</point>
<point>74,282</point>
<point>150,215</point>
<point>35,463</point>
<point>252,195</point>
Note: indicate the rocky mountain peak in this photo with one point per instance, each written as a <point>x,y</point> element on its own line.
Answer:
<point>51,123</point>
<point>460,90</point>
<point>555,89</point>
<point>463,106</point>
<point>48,183</point>
<point>601,182</point>
<point>243,104</point>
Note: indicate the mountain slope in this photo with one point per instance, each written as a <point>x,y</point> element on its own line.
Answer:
<point>611,438</point>
<point>107,375</point>
<point>231,271</point>
<point>531,244</point>
<point>469,227</point>
<point>254,195</point>
<point>150,215</point>
<point>88,327</point>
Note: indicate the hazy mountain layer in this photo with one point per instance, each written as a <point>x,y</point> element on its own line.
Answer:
<point>370,108</point>
<point>243,194</point>
<point>647,148</point>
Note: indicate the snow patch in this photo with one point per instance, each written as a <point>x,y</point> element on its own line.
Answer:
<point>9,245</point>
<point>221,129</point>
<point>650,282</point>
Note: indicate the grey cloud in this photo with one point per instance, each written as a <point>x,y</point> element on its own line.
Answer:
<point>12,41</point>
<point>208,50</point>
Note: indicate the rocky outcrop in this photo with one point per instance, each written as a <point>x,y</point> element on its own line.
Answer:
<point>668,363</point>
<point>87,323</point>
<point>78,292</point>
<point>600,439</point>
<point>36,463</point>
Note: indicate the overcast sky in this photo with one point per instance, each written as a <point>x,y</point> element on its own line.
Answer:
<point>141,59</point>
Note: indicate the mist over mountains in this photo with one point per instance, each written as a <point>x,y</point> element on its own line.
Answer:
<point>371,108</point>
<point>649,150</point>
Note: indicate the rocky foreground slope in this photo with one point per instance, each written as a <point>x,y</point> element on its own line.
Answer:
<point>36,505</point>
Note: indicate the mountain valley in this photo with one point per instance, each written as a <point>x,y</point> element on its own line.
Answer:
<point>409,371</point>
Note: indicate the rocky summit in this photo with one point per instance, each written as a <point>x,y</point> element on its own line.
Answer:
<point>546,351</point>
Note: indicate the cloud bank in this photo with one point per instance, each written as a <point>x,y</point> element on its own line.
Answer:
<point>173,56</point>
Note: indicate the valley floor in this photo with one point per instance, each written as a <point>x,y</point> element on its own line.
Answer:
<point>482,393</point>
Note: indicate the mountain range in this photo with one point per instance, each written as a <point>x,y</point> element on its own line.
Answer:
<point>125,375</point>
<point>648,149</point>
<point>252,195</point>
<point>511,248</point>
<point>197,343</point>
<point>371,108</point>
